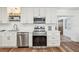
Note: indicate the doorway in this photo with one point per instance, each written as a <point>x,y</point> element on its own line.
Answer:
<point>64,26</point>
<point>60,26</point>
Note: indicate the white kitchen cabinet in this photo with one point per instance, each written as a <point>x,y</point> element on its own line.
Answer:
<point>3,15</point>
<point>26,15</point>
<point>36,12</point>
<point>43,12</point>
<point>12,39</point>
<point>0,14</point>
<point>9,40</point>
<point>1,38</point>
<point>39,12</point>
<point>53,39</point>
<point>48,15</point>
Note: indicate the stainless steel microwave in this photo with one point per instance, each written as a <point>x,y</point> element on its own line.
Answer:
<point>38,20</point>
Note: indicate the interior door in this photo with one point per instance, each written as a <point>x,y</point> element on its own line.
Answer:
<point>60,26</point>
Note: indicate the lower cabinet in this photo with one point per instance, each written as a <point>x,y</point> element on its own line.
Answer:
<point>1,38</point>
<point>8,40</point>
<point>53,40</point>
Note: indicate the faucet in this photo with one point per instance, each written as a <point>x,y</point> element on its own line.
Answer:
<point>15,27</point>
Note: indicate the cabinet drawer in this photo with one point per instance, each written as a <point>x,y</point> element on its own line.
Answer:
<point>53,35</point>
<point>53,42</point>
<point>53,38</point>
<point>53,45</point>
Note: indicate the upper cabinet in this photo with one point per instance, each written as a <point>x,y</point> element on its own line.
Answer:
<point>26,15</point>
<point>48,15</point>
<point>3,15</point>
<point>36,12</point>
<point>0,14</point>
<point>43,12</point>
<point>51,15</point>
<point>39,12</point>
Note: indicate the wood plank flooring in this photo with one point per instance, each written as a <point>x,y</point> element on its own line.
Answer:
<point>30,49</point>
<point>70,46</point>
<point>66,46</point>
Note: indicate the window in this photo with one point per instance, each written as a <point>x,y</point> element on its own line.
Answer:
<point>49,28</point>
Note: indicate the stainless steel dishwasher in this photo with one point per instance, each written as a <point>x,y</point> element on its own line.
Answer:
<point>23,39</point>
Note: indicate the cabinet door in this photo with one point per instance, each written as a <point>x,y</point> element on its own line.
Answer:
<point>53,15</point>
<point>9,40</point>
<point>1,39</point>
<point>39,12</point>
<point>12,39</point>
<point>36,12</point>
<point>0,14</point>
<point>30,15</point>
<point>27,15</point>
<point>4,40</point>
<point>4,15</point>
<point>53,40</point>
<point>24,15</point>
<point>43,12</point>
<point>48,15</point>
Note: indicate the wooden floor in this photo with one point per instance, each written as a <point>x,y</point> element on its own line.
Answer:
<point>30,50</point>
<point>70,46</point>
<point>66,46</point>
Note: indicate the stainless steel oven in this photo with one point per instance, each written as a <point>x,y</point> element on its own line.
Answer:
<point>39,37</point>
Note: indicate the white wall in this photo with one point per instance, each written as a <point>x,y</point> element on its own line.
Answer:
<point>67,26</point>
<point>73,32</point>
<point>75,27</point>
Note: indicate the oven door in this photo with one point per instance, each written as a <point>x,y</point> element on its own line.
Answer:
<point>39,41</point>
